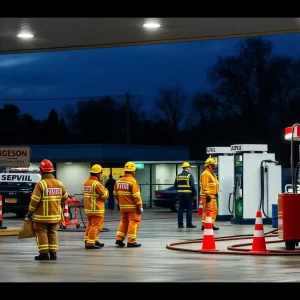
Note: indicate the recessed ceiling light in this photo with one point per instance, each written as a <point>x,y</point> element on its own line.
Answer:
<point>24,35</point>
<point>151,25</point>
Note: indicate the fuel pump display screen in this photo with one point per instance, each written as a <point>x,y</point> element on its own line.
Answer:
<point>238,186</point>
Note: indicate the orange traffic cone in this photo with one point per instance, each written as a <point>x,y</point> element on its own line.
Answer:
<point>200,208</point>
<point>208,243</point>
<point>66,214</point>
<point>259,242</point>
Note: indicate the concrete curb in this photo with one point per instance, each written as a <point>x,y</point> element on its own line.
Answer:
<point>9,231</point>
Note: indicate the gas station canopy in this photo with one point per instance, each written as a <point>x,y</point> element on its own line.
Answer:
<point>52,34</point>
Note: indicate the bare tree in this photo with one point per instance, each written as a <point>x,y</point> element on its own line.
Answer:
<point>252,86</point>
<point>170,103</point>
<point>135,103</point>
<point>205,107</point>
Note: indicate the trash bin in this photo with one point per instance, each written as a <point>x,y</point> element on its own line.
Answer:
<point>275,215</point>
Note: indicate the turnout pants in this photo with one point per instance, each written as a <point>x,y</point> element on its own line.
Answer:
<point>129,226</point>
<point>211,207</point>
<point>46,236</point>
<point>111,202</point>
<point>100,227</point>
<point>92,230</point>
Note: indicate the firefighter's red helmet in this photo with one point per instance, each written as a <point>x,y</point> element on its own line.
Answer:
<point>46,166</point>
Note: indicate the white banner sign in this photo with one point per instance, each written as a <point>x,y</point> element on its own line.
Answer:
<point>15,156</point>
<point>19,177</point>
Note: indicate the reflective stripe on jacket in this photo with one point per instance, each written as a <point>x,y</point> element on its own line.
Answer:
<point>94,195</point>
<point>127,193</point>
<point>209,184</point>
<point>184,183</point>
<point>46,200</point>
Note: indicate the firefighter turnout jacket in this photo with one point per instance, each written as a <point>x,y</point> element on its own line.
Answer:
<point>94,194</point>
<point>185,183</point>
<point>127,193</point>
<point>209,184</point>
<point>46,200</point>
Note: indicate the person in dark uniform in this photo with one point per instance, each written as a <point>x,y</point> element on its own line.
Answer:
<point>185,185</point>
<point>118,202</point>
<point>110,183</point>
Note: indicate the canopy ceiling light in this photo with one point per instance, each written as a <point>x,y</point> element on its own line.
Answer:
<point>25,35</point>
<point>151,25</point>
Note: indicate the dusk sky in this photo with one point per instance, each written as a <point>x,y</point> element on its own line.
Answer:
<point>139,70</point>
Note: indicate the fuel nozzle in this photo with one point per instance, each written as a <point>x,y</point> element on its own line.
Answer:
<point>271,161</point>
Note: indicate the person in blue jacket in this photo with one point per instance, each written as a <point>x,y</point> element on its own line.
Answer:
<point>185,185</point>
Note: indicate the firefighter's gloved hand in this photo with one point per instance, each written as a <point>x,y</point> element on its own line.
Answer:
<point>208,199</point>
<point>29,216</point>
<point>141,211</point>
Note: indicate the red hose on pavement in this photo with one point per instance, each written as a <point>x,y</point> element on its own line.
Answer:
<point>234,249</point>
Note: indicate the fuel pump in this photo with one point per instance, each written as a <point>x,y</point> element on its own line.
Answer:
<point>289,202</point>
<point>257,183</point>
<point>225,173</point>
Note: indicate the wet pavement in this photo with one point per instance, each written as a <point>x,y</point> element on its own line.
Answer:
<point>152,262</point>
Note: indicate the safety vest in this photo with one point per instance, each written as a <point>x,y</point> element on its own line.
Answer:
<point>183,183</point>
<point>212,186</point>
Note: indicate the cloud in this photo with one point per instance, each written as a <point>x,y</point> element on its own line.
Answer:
<point>15,91</point>
<point>28,77</point>
<point>17,60</point>
<point>19,92</point>
<point>22,76</point>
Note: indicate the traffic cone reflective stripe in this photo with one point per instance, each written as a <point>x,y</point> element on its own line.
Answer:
<point>200,208</point>
<point>259,242</point>
<point>208,243</point>
<point>209,231</point>
<point>259,233</point>
<point>66,211</point>
<point>208,221</point>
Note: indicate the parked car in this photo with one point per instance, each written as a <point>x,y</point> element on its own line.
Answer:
<point>16,189</point>
<point>168,198</point>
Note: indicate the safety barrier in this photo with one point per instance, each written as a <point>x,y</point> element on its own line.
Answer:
<point>67,220</point>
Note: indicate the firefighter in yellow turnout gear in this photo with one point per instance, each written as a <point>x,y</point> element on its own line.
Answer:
<point>127,194</point>
<point>94,194</point>
<point>45,209</point>
<point>209,188</point>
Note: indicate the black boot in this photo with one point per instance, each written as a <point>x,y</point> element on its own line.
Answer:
<point>99,244</point>
<point>215,228</point>
<point>92,247</point>
<point>191,226</point>
<point>42,256</point>
<point>133,245</point>
<point>53,256</point>
<point>119,243</point>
